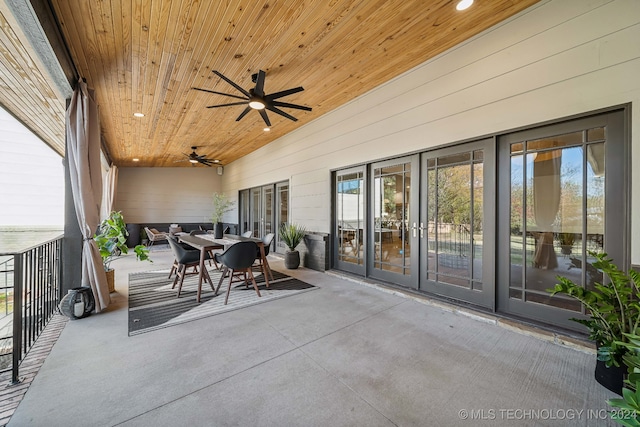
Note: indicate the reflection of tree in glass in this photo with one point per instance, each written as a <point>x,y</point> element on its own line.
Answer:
<point>454,196</point>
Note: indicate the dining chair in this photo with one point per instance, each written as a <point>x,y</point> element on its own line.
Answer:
<point>266,241</point>
<point>237,261</point>
<point>174,267</point>
<point>247,233</point>
<point>186,258</point>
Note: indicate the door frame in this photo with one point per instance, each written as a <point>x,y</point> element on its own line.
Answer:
<point>350,267</point>
<point>412,279</point>
<point>617,201</point>
<point>486,296</point>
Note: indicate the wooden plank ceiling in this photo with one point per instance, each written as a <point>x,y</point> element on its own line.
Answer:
<point>26,89</point>
<point>146,55</point>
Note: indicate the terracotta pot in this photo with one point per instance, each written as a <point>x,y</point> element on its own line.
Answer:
<point>111,280</point>
<point>292,260</point>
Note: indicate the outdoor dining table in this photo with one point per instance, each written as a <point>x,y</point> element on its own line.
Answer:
<point>207,242</point>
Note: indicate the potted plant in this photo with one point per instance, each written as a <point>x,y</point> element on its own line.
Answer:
<point>613,308</point>
<point>221,204</point>
<point>566,241</point>
<point>628,413</point>
<point>292,235</point>
<point>111,240</point>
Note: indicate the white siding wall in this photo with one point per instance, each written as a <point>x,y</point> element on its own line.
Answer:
<point>31,178</point>
<point>173,195</point>
<point>556,59</point>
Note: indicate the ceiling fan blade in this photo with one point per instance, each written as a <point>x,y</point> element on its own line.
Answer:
<point>286,104</point>
<point>218,93</point>
<point>244,113</point>
<point>244,92</point>
<point>282,113</point>
<point>228,105</point>
<point>204,163</point>
<point>265,117</point>
<point>284,93</point>
<point>259,89</point>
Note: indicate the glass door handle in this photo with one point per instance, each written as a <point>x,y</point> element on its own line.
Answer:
<point>422,230</point>
<point>414,228</point>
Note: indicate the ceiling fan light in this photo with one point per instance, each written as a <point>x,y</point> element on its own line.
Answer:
<point>464,4</point>
<point>193,160</point>
<point>256,104</point>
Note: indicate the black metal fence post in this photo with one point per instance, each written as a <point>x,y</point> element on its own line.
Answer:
<point>17,315</point>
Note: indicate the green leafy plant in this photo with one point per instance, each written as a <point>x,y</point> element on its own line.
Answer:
<point>292,235</point>
<point>221,205</point>
<point>613,308</point>
<point>566,239</point>
<point>112,240</point>
<point>628,407</point>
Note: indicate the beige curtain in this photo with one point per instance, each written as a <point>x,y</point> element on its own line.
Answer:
<point>110,185</point>
<point>546,202</point>
<point>83,153</point>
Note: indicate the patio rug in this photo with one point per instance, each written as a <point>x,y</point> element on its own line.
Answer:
<point>153,304</point>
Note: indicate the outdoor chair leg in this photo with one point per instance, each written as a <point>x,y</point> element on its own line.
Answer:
<point>236,274</point>
<point>226,299</point>
<point>184,269</point>
<point>175,280</point>
<point>224,273</point>
<point>255,285</point>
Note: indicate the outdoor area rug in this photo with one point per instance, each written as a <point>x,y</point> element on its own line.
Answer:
<point>154,305</point>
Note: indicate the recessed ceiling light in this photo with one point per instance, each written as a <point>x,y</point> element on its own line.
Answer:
<point>464,4</point>
<point>138,114</point>
<point>136,160</point>
<point>266,129</point>
<point>216,161</point>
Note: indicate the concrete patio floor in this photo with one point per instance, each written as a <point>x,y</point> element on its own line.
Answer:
<point>346,354</point>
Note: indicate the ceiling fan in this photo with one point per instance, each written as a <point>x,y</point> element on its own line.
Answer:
<point>196,158</point>
<point>257,99</point>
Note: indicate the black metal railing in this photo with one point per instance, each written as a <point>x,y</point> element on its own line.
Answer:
<point>29,296</point>
<point>453,244</point>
